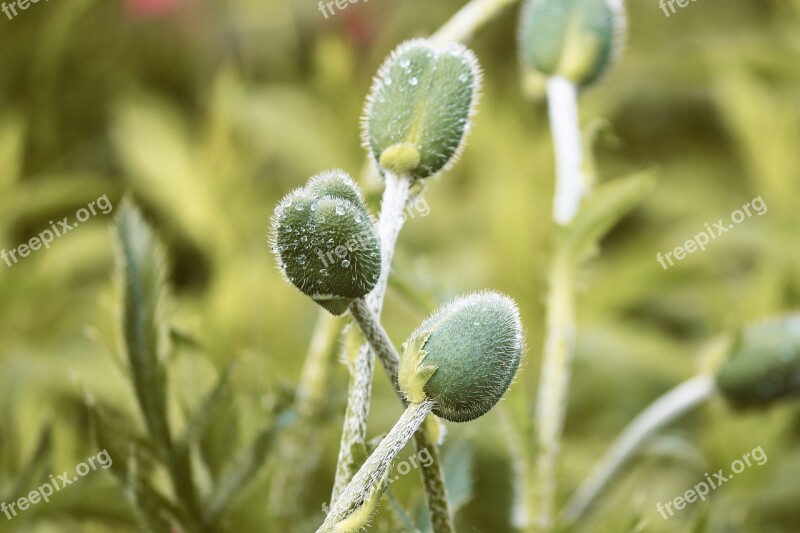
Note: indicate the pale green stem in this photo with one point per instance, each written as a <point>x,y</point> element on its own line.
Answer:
<point>663,411</point>
<point>553,387</point>
<point>377,338</point>
<point>359,488</point>
<point>435,488</point>
<point>432,473</point>
<point>354,429</point>
<point>299,451</point>
<point>562,101</point>
<point>468,19</point>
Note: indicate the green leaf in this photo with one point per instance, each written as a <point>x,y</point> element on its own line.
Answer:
<point>247,464</point>
<point>12,144</point>
<point>201,418</point>
<point>153,509</point>
<point>142,277</point>
<point>458,478</point>
<point>37,466</point>
<point>601,211</point>
<point>458,474</point>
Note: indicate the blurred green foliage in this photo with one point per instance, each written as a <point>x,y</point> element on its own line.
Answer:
<point>209,113</point>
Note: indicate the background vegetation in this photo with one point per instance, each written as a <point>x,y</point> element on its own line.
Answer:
<point>207,112</point>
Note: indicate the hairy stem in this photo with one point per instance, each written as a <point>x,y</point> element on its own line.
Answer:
<point>377,338</point>
<point>356,492</point>
<point>432,474</point>
<point>354,430</point>
<point>553,386</point>
<point>468,19</point>
<point>663,411</point>
<point>562,97</point>
<point>435,489</point>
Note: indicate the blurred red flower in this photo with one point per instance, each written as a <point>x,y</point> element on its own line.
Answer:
<point>151,8</point>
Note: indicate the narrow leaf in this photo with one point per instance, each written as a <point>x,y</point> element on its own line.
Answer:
<point>142,274</point>
<point>601,211</point>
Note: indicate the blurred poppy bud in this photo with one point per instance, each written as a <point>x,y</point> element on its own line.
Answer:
<point>575,39</point>
<point>764,365</point>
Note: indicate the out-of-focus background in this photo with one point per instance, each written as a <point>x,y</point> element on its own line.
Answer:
<point>208,112</point>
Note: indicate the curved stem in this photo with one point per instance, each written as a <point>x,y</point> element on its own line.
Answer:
<point>377,338</point>
<point>432,473</point>
<point>469,18</point>
<point>562,99</point>
<point>375,466</point>
<point>553,386</point>
<point>354,430</point>
<point>663,411</point>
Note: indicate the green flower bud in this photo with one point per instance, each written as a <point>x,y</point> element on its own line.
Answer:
<point>575,39</point>
<point>325,242</point>
<point>464,356</point>
<point>764,365</point>
<point>418,112</point>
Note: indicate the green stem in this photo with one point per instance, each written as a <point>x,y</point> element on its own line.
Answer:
<point>433,474</point>
<point>377,338</point>
<point>663,411</point>
<point>468,19</point>
<point>553,386</point>
<point>354,431</point>
<point>357,491</point>
<point>435,489</point>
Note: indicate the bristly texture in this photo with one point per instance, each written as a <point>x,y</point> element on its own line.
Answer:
<point>418,113</point>
<point>325,242</point>
<point>470,352</point>
<point>764,365</point>
<point>576,39</point>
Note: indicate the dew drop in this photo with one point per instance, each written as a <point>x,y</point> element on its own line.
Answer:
<point>345,263</point>
<point>288,229</point>
<point>298,207</point>
<point>405,62</point>
<point>323,271</point>
<point>387,81</point>
<point>463,78</point>
<point>340,210</point>
<point>301,260</point>
<point>304,238</point>
<point>358,218</point>
<point>413,81</point>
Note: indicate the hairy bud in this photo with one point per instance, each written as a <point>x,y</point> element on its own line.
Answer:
<point>464,356</point>
<point>325,241</point>
<point>418,113</point>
